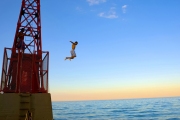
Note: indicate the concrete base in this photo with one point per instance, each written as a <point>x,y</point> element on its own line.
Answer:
<point>14,106</point>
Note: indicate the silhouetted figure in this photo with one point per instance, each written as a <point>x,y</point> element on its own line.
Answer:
<point>20,40</point>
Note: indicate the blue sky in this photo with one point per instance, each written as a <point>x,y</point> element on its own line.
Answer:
<point>123,45</point>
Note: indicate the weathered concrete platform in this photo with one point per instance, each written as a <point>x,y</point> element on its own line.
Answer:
<point>14,106</point>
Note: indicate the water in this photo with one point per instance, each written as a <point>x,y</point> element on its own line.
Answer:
<point>132,109</point>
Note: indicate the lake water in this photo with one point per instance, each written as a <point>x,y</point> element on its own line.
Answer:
<point>130,109</point>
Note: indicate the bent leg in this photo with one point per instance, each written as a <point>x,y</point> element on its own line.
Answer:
<point>69,58</point>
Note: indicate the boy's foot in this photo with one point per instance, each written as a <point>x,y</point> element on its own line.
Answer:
<point>65,58</point>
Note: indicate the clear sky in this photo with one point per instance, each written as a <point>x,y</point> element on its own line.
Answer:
<point>127,48</point>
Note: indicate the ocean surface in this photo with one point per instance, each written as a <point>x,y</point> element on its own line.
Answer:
<point>130,109</point>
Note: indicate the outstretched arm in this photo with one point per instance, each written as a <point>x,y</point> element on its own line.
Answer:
<point>71,42</point>
<point>27,34</point>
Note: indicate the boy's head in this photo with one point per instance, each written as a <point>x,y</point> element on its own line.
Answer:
<point>22,29</point>
<point>76,42</point>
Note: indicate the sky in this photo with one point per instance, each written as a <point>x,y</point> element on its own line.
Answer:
<point>127,48</point>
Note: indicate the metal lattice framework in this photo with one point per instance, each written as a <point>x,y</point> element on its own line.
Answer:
<point>25,69</point>
<point>30,20</point>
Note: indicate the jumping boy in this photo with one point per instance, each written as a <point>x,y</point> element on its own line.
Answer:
<point>73,54</point>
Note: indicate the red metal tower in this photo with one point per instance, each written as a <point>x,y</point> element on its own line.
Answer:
<point>25,65</point>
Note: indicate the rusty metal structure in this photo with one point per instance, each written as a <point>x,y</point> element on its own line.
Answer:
<point>24,79</point>
<point>25,65</point>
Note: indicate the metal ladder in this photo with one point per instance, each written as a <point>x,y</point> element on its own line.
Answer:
<point>24,113</point>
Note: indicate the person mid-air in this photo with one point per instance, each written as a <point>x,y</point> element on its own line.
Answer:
<point>73,54</point>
